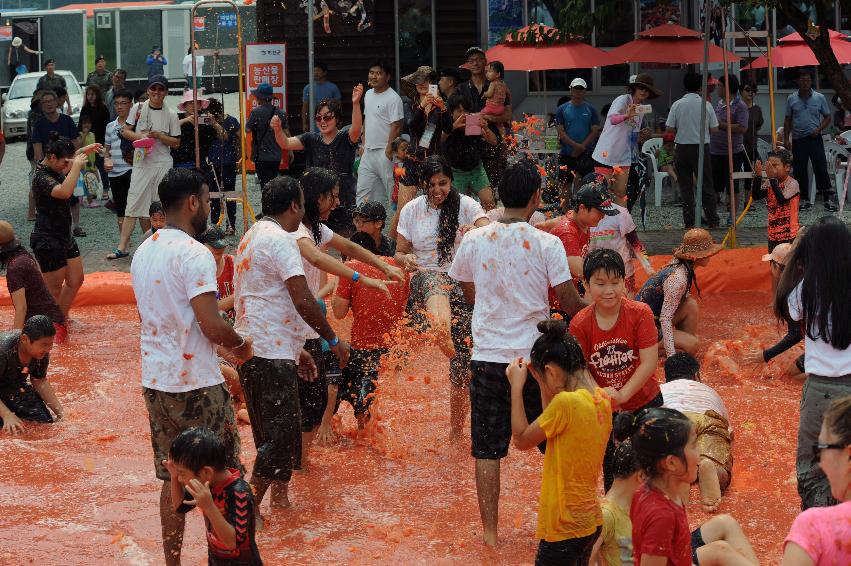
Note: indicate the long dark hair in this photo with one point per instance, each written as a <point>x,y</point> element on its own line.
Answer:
<point>316,182</point>
<point>98,96</point>
<point>821,264</point>
<point>556,346</point>
<point>447,226</point>
<point>655,433</point>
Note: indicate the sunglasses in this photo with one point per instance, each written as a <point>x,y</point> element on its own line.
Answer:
<point>322,118</point>
<point>818,447</point>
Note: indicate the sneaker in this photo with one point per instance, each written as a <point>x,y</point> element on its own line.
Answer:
<point>831,205</point>
<point>79,232</point>
<point>805,205</point>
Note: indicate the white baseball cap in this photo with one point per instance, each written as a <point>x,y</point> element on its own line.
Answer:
<point>577,82</point>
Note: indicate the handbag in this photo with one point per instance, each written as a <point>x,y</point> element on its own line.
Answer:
<point>127,148</point>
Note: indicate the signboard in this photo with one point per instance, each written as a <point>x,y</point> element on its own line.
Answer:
<point>266,63</point>
<point>5,33</point>
<point>199,23</point>
<point>227,20</point>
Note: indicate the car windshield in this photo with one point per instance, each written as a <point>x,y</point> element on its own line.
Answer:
<point>23,87</point>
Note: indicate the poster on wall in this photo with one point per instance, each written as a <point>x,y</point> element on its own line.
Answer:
<point>504,16</point>
<point>266,63</point>
<point>658,12</point>
<point>334,14</point>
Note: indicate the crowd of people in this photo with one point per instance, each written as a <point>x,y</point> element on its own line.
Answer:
<point>468,263</point>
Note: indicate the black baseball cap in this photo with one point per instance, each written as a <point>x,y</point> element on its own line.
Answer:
<point>595,195</point>
<point>214,237</point>
<point>158,80</point>
<point>371,210</point>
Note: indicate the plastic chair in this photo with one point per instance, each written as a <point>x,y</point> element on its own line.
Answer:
<point>763,148</point>
<point>649,148</point>
<point>836,156</point>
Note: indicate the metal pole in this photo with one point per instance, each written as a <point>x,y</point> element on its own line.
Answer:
<point>729,142</point>
<point>771,94</point>
<point>701,150</point>
<point>194,88</point>
<point>310,54</point>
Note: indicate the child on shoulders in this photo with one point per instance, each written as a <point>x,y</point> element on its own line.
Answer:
<point>497,91</point>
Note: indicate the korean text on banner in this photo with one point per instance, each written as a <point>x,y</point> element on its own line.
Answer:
<point>266,63</point>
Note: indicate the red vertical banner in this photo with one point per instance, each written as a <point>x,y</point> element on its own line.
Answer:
<point>266,63</point>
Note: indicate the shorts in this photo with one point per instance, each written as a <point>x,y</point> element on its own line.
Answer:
<point>604,169</point>
<point>490,409</point>
<point>52,254</point>
<point>425,284</point>
<point>696,542</point>
<point>313,395</point>
<point>143,190</point>
<point>713,438</point>
<point>773,244</point>
<point>359,379</point>
<point>569,551</point>
<point>169,414</point>
<point>120,186</point>
<point>26,404</point>
<point>470,182</point>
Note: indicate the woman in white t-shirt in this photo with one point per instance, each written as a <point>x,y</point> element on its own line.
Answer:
<point>619,138</point>
<point>813,291</point>
<point>428,234</point>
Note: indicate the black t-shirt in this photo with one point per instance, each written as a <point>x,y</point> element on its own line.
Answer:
<point>234,500</point>
<point>339,155</point>
<point>100,118</point>
<point>462,151</point>
<point>64,126</point>
<point>185,152</point>
<point>264,147</point>
<point>13,378</point>
<point>22,272</point>
<point>469,89</point>
<point>53,215</point>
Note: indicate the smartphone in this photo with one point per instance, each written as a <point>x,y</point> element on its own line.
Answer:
<point>432,90</point>
<point>205,119</point>
<point>472,127</point>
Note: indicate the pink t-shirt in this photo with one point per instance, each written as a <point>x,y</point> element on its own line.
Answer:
<point>819,531</point>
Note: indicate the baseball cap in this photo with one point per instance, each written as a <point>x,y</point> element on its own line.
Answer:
<point>100,58</point>
<point>158,80</point>
<point>264,91</point>
<point>593,195</point>
<point>214,237</point>
<point>779,254</point>
<point>371,210</point>
<point>578,83</point>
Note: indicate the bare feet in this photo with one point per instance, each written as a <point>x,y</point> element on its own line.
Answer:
<point>489,538</point>
<point>710,486</point>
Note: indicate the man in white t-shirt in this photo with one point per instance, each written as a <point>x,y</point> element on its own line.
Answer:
<point>187,69</point>
<point>273,302</point>
<point>150,120</point>
<point>174,280</point>
<point>383,116</point>
<point>508,267</point>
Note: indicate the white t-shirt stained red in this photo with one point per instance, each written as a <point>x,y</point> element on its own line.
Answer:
<point>169,270</point>
<point>611,233</point>
<point>313,274</point>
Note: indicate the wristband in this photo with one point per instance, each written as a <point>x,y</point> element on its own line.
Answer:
<point>355,276</point>
<point>334,341</point>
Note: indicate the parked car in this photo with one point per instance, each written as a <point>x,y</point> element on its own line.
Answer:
<point>16,102</point>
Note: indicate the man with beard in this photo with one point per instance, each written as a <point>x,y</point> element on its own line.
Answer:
<point>174,279</point>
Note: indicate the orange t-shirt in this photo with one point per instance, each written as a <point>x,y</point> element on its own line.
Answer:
<point>613,355</point>
<point>374,314</point>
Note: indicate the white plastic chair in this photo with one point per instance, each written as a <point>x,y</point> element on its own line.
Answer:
<point>836,156</point>
<point>763,148</point>
<point>649,148</point>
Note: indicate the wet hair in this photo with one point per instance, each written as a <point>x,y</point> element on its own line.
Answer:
<point>459,100</point>
<point>178,185</point>
<point>155,208</point>
<point>320,65</point>
<point>120,73</point>
<point>556,346</point>
<point>365,241</point>
<point>383,65</point>
<point>681,365</point>
<point>333,105</point>
<point>734,83</point>
<point>315,182</point>
<point>447,226</point>
<point>498,68</point>
<point>123,93</point>
<point>655,434</point>
<point>59,147</point>
<point>38,327</point>
<point>195,448</point>
<point>395,144</point>
<point>215,106</point>
<point>519,183</point>
<point>624,462</point>
<point>821,264</point>
<point>692,82</point>
<point>606,260</point>
<point>98,96</point>
<point>279,194</point>
<point>784,155</point>
<point>837,419</point>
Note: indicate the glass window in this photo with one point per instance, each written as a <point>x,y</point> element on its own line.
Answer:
<point>615,75</point>
<point>415,48</point>
<point>620,28</point>
<point>808,8</point>
<point>559,80</point>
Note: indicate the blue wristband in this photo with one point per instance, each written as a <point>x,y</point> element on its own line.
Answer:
<point>355,276</point>
<point>334,341</point>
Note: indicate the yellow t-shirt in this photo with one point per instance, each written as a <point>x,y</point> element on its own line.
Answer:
<point>616,549</point>
<point>577,425</point>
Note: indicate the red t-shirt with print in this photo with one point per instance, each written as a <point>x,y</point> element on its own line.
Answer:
<point>659,527</point>
<point>575,242</point>
<point>613,355</point>
<point>375,315</point>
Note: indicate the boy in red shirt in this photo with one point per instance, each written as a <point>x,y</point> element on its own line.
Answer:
<point>619,339</point>
<point>375,316</point>
<point>782,195</point>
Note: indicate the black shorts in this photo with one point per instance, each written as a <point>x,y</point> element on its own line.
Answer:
<point>359,378</point>
<point>696,542</point>
<point>120,186</point>
<point>26,404</point>
<point>490,409</point>
<point>569,551</point>
<point>313,395</point>
<point>53,255</point>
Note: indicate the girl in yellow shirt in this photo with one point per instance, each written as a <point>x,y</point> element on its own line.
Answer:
<point>576,423</point>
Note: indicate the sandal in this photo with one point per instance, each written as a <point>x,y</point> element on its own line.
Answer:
<point>117,254</point>
<point>79,232</point>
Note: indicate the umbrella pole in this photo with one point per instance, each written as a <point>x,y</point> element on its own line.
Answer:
<point>771,96</point>
<point>731,173</point>
<point>701,150</point>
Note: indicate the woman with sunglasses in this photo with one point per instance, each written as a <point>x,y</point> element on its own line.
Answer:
<point>333,148</point>
<point>813,292</point>
<point>819,537</point>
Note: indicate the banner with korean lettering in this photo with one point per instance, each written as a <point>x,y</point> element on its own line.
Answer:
<point>266,63</point>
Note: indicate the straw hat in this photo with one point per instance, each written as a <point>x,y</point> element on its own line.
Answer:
<point>422,74</point>
<point>647,82</point>
<point>779,255</point>
<point>697,244</point>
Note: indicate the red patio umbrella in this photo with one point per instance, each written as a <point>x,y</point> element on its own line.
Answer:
<point>792,51</point>
<point>671,44</point>
<point>547,50</point>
